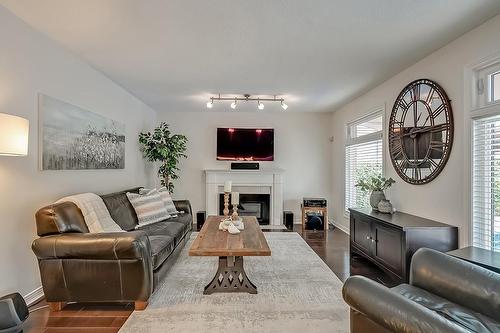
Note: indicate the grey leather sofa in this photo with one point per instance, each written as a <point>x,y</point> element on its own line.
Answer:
<point>445,294</point>
<point>78,266</point>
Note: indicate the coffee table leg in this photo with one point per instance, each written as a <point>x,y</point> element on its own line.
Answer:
<point>230,278</point>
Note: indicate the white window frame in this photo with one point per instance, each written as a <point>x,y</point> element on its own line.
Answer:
<point>349,140</point>
<point>477,105</point>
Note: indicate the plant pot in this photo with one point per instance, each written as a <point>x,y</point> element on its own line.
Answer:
<point>375,198</point>
<point>385,206</point>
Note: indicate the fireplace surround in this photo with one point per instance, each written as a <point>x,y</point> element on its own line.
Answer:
<point>264,181</point>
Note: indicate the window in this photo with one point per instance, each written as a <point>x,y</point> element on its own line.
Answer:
<point>486,183</point>
<point>495,87</point>
<point>363,157</point>
<point>488,85</point>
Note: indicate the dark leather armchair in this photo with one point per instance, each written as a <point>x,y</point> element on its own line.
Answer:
<point>77,266</point>
<point>445,294</point>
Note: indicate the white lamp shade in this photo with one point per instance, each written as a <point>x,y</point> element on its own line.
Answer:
<point>13,135</point>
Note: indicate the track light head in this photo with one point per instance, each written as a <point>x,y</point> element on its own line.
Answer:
<point>260,105</point>
<point>233,104</point>
<point>210,104</point>
<point>284,106</point>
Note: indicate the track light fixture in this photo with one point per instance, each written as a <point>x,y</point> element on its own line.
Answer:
<point>211,103</point>
<point>260,106</point>
<point>246,98</point>
<point>233,104</point>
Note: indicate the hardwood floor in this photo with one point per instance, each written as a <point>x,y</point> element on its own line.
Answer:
<point>332,247</point>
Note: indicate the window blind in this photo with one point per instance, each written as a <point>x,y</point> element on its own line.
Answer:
<point>486,183</point>
<point>361,159</point>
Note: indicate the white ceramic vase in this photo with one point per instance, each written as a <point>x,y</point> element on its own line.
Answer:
<point>375,198</point>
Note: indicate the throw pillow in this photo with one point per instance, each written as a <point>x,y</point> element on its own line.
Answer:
<point>148,207</point>
<point>165,197</point>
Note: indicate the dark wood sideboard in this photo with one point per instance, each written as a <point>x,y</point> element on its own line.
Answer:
<point>390,240</point>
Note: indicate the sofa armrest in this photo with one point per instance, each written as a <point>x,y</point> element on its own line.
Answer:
<point>457,280</point>
<point>102,246</point>
<point>392,310</point>
<point>183,205</point>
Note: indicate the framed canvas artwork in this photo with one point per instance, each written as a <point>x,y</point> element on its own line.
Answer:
<point>72,138</point>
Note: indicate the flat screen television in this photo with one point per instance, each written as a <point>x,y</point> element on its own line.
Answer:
<point>245,144</point>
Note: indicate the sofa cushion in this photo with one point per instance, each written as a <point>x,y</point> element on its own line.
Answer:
<point>176,230</point>
<point>161,248</point>
<point>121,209</point>
<point>185,219</point>
<point>476,322</point>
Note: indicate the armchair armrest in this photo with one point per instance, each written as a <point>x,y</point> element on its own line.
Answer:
<point>457,280</point>
<point>103,246</point>
<point>183,205</point>
<point>391,310</point>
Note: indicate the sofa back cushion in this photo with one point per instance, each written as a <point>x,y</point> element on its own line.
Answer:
<point>60,218</point>
<point>121,209</point>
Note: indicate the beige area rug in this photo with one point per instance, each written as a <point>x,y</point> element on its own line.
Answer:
<point>273,227</point>
<point>297,293</point>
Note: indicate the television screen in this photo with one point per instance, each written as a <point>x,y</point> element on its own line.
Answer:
<point>245,144</point>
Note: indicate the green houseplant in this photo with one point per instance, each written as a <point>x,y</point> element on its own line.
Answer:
<point>376,184</point>
<point>164,147</point>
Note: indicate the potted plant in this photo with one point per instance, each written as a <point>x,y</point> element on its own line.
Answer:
<point>376,184</point>
<point>161,146</point>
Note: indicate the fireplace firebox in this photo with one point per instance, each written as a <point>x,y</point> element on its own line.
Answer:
<point>250,205</point>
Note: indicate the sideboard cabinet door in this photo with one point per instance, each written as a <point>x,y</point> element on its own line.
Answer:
<point>388,247</point>
<point>361,233</point>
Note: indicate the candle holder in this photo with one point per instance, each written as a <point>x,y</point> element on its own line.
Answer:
<point>226,204</point>
<point>234,216</point>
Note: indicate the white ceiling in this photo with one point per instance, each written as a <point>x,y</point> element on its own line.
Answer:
<point>318,54</point>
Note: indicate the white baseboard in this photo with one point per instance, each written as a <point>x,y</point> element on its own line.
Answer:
<point>341,227</point>
<point>34,296</point>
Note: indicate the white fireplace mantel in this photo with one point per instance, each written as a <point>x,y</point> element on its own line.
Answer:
<point>247,181</point>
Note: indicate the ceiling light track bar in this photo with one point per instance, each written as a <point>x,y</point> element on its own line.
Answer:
<point>256,99</point>
<point>246,98</point>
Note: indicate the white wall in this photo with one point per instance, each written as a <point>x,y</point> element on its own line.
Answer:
<point>302,149</point>
<point>444,198</point>
<point>30,63</point>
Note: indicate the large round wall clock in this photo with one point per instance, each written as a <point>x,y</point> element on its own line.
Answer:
<point>420,132</point>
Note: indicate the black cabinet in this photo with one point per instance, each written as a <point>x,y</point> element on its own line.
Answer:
<point>389,241</point>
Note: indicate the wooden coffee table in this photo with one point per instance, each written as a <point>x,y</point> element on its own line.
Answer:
<point>230,249</point>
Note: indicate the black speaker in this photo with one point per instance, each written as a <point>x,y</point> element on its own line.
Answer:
<point>13,312</point>
<point>200,219</point>
<point>244,166</point>
<point>288,219</point>
<point>315,221</point>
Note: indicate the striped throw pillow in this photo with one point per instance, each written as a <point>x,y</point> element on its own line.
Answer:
<point>165,197</point>
<point>167,200</point>
<point>148,207</point>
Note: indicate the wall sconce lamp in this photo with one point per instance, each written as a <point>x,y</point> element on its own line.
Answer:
<point>14,132</point>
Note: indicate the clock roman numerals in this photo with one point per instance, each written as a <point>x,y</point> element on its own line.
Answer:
<point>416,93</point>
<point>403,104</point>
<point>438,111</point>
<point>430,95</point>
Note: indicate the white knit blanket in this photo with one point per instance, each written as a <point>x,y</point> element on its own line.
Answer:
<point>94,212</point>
